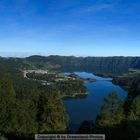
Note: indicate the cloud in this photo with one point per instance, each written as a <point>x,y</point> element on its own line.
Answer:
<point>96,8</point>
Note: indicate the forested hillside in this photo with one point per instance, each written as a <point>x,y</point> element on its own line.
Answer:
<point>113,65</point>
<point>109,65</point>
<point>27,108</point>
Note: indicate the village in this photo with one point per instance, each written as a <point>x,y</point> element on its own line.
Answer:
<point>47,78</point>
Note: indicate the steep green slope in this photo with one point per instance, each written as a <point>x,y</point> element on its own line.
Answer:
<point>113,65</point>
<point>108,65</point>
<point>26,107</point>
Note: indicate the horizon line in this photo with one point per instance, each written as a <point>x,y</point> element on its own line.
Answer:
<point>77,56</point>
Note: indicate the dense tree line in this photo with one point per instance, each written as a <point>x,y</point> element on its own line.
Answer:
<point>71,87</point>
<point>39,76</point>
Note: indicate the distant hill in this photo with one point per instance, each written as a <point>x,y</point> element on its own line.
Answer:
<point>113,65</point>
<point>97,65</point>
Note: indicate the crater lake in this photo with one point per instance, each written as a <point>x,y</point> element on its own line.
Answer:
<point>88,107</point>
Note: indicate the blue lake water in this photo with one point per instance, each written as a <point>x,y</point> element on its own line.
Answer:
<point>88,108</point>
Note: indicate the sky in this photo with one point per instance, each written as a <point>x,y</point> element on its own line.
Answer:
<point>70,27</point>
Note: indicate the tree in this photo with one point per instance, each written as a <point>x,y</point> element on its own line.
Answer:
<point>133,119</point>
<point>112,112</point>
<point>25,122</point>
<point>52,117</point>
<point>7,103</point>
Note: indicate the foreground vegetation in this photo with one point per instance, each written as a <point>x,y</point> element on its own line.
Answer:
<point>27,108</point>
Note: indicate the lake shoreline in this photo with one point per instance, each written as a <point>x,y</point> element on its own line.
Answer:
<point>74,95</point>
<point>81,109</point>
